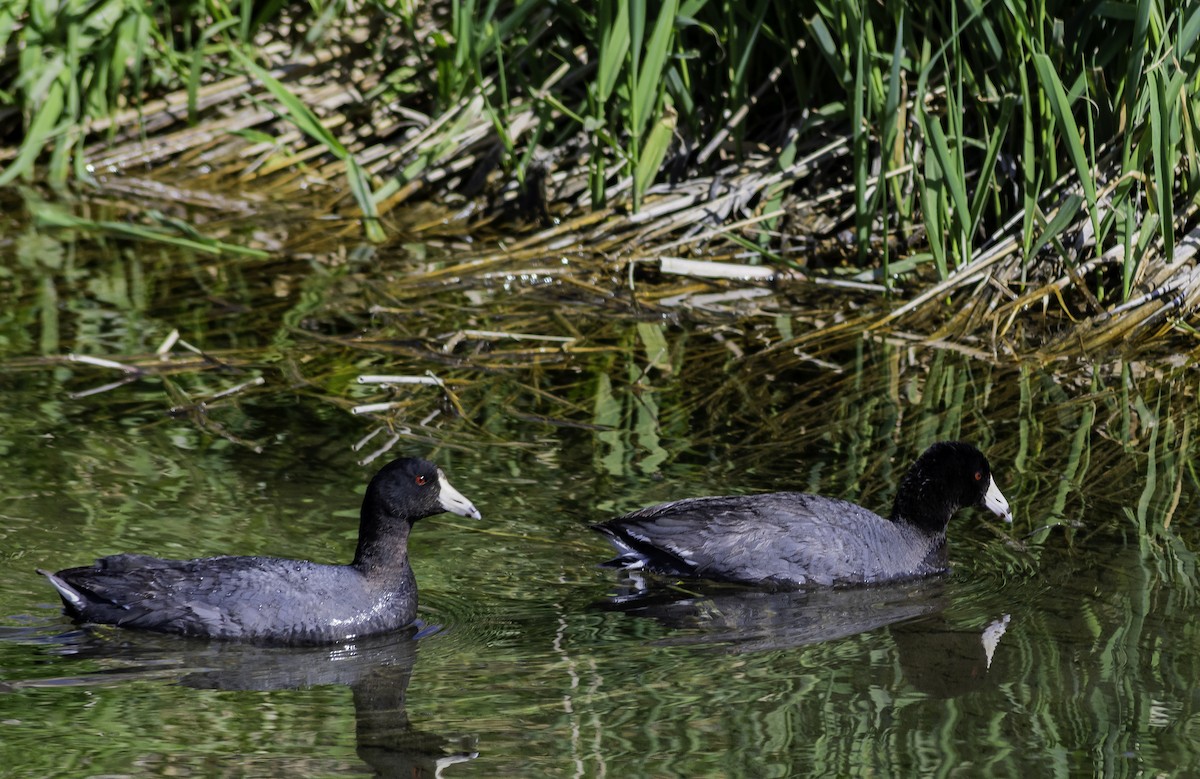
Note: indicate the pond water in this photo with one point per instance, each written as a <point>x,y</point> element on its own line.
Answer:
<point>1064,644</point>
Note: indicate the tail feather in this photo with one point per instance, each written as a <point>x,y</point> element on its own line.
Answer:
<point>72,598</point>
<point>635,552</point>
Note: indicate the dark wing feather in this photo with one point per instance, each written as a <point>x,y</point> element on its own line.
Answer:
<point>784,538</point>
<point>227,597</point>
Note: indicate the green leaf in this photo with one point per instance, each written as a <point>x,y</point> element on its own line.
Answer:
<point>654,150</point>
<point>45,123</point>
<point>657,354</point>
<point>614,45</point>
<point>649,80</point>
<point>1070,135</point>
<point>301,116</point>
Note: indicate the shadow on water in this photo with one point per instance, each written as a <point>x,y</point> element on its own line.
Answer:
<point>377,671</point>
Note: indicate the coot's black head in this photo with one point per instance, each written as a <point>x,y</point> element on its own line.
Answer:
<point>409,489</point>
<point>948,476</point>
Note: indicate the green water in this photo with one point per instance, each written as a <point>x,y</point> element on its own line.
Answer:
<point>1064,645</point>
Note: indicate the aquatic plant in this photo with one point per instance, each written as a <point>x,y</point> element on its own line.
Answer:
<point>1027,169</point>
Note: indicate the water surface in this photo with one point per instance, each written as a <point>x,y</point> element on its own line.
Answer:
<point>1064,644</point>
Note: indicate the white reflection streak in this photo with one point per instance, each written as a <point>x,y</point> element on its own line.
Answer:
<point>568,707</point>
<point>593,690</point>
<point>991,637</point>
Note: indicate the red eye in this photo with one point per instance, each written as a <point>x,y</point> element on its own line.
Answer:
<point>978,475</point>
<point>421,480</point>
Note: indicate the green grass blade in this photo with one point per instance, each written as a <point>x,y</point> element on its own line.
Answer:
<point>9,13</point>
<point>930,188</point>
<point>649,81</point>
<point>360,186</point>
<point>614,45</point>
<point>43,127</point>
<point>294,109</point>
<point>1061,221</point>
<point>49,216</point>
<point>986,173</point>
<point>823,38</point>
<point>952,180</point>
<point>1184,51</point>
<point>303,117</point>
<point>1031,172</point>
<point>654,150</point>
<point>1069,132</point>
<point>1162,146</point>
<point>1129,262</point>
<point>655,344</point>
<point>637,34</point>
<point>861,144</point>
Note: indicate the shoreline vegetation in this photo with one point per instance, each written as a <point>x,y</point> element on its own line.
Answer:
<point>649,225</point>
<point>1016,178</point>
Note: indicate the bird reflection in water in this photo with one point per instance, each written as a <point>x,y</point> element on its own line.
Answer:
<point>376,669</point>
<point>938,656</point>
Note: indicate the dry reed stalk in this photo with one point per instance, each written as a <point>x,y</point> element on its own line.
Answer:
<point>702,217</point>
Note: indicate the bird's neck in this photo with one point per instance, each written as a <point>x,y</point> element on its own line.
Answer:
<point>916,507</point>
<point>382,553</point>
<point>382,540</point>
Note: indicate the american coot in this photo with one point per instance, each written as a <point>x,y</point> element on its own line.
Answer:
<point>792,539</point>
<point>269,599</point>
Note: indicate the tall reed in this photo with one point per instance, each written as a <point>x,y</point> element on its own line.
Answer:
<point>973,131</point>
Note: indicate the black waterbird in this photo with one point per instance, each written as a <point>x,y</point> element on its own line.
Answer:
<point>793,539</point>
<point>274,600</point>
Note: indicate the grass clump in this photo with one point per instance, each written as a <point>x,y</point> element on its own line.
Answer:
<point>980,149</point>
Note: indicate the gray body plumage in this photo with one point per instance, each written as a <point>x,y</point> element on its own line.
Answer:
<point>783,538</point>
<point>257,599</point>
<point>271,600</point>
<point>794,539</point>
